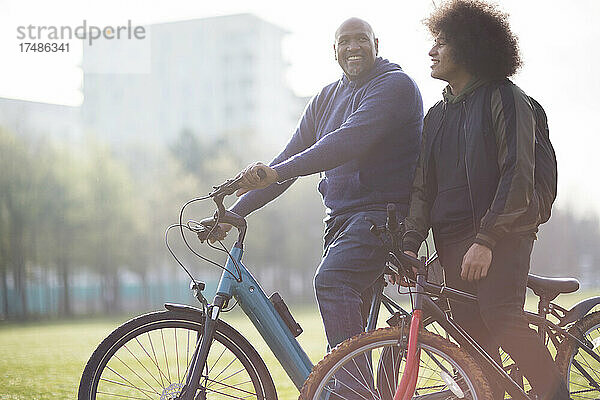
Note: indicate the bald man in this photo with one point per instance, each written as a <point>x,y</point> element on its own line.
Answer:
<point>363,132</point>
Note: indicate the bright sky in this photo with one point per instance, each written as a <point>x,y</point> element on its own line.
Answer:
<point>558,40</point>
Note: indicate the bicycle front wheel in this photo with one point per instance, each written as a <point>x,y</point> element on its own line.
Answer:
<point>149,356</point>
<point>368,366</point>
<point>580,370</point>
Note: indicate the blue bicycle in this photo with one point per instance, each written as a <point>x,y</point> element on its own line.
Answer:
<point>189,353</point>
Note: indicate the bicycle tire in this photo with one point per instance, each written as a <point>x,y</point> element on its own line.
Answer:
<point>588,329</point>
<point>148,356</point>
<point>334,373</point>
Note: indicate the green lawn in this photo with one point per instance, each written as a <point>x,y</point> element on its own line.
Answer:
<point>45,360</point>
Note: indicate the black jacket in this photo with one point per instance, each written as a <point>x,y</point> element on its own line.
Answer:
<point>499,136</point>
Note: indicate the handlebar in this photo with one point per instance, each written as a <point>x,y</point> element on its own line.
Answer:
<point>222,215</point>
<point>391,236</point>
<point>231,185</point>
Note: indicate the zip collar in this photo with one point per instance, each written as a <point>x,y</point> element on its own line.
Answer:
<point>467,90</point>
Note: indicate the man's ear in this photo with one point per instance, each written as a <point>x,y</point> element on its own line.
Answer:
<point>376,46</point>
<point>334,52</point>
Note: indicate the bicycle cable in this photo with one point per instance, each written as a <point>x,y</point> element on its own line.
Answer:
<point>224,249</point>
<point>181,226</point>
<point>175,256</point>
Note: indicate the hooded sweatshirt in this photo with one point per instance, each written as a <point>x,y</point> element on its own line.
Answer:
<point>451,213</point>
<point>364,134</point>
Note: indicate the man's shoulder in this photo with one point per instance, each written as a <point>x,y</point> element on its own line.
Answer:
<point>395,76</point>
<point>510,91</point>
<point>437,107</point>
<point>327,90</point>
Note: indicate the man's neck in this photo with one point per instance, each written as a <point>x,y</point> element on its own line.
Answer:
<point>458,83</point>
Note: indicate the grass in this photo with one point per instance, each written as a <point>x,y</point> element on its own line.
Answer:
<point>45,360</point>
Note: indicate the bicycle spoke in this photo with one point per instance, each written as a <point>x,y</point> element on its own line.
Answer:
<point>177,355</point>
<point>235,373</point>
<point>348,387</point>
<point>383,364</point>
<point>217,360</point>
<point>187,351</point>
<point>162,384</point>
<point>131,369</point>
<point>227,366</point>
<point>139,362</point>
<point>166,358</point>
<point>372,380</point>
<point>129,386</point>
<point>126,380</point>
<point>121,395</point>
<point>233,387</point>
<point>129,366</point>
<point>225,394</point>
<point>585,374</point>
<point>589,366</point>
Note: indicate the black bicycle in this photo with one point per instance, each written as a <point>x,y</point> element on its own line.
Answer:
<point>404,361</point>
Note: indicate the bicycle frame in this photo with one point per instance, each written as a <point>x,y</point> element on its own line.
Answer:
<point>259,309</point>
<point>545,328</point>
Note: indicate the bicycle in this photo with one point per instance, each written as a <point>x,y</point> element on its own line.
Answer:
<point>363,365</point>
<point>187,352</point>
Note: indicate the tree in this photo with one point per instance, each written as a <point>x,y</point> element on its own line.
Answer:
<point>17,204</point>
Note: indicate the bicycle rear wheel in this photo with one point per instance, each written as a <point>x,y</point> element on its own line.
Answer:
<point>368,366</point>
<point>148,358</point>
<point>580,370</point>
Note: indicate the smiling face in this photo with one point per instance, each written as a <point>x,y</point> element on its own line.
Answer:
<point>355,47</point>
<point>443,65</point>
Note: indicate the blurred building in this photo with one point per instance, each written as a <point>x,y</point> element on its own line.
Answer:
<point>212,76</point>
<point>35,119</point>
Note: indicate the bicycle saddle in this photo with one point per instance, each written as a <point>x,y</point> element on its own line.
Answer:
<point>551,287</point>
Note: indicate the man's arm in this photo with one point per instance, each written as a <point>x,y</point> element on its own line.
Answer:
<point>390,102</point>
<point>303,137</point>
<point>417,223</point>
<point>514,127</point>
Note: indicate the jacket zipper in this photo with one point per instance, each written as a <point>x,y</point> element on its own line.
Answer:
<point>464,106</point>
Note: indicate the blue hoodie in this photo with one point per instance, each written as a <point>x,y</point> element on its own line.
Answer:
<point>365,134</point>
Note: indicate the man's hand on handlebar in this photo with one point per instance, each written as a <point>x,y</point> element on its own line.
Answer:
<point>250,178</point>
<point>400,280</point>
<point>220,232</point>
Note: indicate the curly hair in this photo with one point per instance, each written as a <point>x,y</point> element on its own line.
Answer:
<point>479,36</point>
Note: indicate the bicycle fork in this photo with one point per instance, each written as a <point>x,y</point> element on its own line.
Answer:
<point>408,382</point>
<point>192,381</point>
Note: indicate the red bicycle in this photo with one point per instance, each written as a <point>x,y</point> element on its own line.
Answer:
<point>408,361</point>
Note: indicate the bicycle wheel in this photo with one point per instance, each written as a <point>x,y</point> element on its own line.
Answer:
<point>580,370</point>
<point>368,366</point>
<point>148,358</point>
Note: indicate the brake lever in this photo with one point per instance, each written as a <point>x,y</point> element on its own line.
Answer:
<point>202,234</point>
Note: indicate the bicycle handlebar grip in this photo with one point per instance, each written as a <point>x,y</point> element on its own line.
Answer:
<point>392,220</point>
<point>261,174</point>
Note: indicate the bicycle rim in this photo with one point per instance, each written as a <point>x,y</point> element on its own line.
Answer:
<point>151,361</point>
<point>372,371</point>
<point>583,371</point>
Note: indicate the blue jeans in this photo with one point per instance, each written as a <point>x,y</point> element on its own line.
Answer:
<point>353,260</point>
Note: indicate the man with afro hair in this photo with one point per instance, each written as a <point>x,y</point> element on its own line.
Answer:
<point>474,185</point>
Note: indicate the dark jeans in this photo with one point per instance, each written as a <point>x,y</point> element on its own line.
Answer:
<point>353,260</point>
<point>498,319</point>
